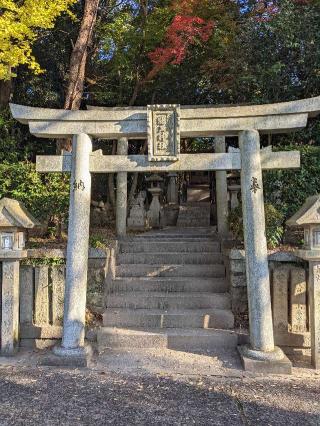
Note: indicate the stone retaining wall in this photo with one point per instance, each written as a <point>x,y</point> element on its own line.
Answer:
<point>42,293</point>
<point>288,281</point>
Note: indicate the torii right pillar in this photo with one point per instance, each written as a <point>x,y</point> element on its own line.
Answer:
<point>261,355</point>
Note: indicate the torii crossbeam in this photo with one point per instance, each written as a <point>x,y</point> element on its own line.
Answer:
<point>99,163</point>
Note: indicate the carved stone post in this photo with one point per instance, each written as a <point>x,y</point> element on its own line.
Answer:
<point>122,189</point>
<point>314,300</point>
<point>261,355</point>
<point>9,306</point>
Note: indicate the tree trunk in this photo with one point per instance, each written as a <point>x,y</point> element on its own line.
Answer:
<point>5,93</point>
<point>79,56</point>
<point>78,63</point>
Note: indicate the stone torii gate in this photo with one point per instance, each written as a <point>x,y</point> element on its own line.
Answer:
<point>164,125</point>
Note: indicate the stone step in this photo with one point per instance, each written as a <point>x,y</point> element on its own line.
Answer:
<point>138,270</point>
<point>174,232</point>
<point>189,212</point>
<point>168,284</point>
<point>203,211</point>
<point>192,221</point>
<point>174,237</point>
<point>169,246</point>
<point>194,213</point>
<point>194,216</point>
<point>195,206</point>
<point>167,258</point>
<point>188,318</point>
<point>168,301</point>
<point>176,339</point>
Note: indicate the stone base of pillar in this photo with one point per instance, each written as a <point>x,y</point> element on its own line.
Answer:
<point>275,362</point>
<point>63,357</point>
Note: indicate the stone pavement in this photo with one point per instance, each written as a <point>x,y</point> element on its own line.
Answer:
<point>155,387</point>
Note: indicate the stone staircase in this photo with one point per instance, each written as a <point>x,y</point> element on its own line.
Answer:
<point>194,215</point>
<point>169,292</point>
<point>198,193</point>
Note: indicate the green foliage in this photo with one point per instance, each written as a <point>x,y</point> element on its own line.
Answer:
<point>274,224</point>
<point>45,195</point>
<point>48,261</point>
<point>288,189</point>
<point>9,139</point>
<point>280,57</point>
<point>126,37</point>
<point>96,241</point>
<point>130,32</point>
<point>16,143</point>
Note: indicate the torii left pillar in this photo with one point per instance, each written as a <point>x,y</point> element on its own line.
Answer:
<point>72,350</point>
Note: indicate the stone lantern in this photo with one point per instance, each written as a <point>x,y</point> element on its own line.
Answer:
<point>155,211</point>
<point>15,220</point>
<point>308,217</point>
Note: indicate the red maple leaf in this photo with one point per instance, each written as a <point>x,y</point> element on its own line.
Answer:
<point>183,32</point>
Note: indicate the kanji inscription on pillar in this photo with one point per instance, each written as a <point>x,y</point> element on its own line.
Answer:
<point>163,132</point>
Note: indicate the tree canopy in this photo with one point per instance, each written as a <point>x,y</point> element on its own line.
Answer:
<point>135,52</point>
<point>70,53</point>
<point>19,25</point>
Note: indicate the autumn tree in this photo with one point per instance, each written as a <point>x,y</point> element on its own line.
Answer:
<point>20,23</point>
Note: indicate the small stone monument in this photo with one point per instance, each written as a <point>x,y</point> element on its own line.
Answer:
<point>155,211</point>
<point>14,221</point>
<point>172,190</point>
<point>137,219</point>
<point>234,191</point>
<point>308,217</point>
<point>171,209</point>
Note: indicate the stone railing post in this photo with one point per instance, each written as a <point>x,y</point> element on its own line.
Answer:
<point>77,252</point>
<point>262,353</point>
<point>9,325</point>
<point>221,190</point>
<point>122,189</point>
<point>314,299</point>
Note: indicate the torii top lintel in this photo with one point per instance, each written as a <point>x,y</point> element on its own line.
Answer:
<point>131,122</point>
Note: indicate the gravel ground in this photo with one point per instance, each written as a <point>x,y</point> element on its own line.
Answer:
<point>49,396</point>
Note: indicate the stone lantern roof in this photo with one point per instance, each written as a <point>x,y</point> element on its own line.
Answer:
<point>308,214</point>
<point>13,213</point>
